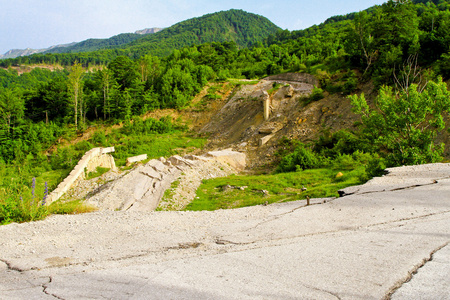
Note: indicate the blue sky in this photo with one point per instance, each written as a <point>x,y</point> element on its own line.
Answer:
<point>42,23</point>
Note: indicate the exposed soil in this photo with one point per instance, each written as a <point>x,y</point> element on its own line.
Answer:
<point>240,124</point>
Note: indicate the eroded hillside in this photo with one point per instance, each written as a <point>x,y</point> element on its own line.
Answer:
<point>240,122</point>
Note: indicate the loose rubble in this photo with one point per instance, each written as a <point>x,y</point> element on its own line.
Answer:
<point>143,188</point>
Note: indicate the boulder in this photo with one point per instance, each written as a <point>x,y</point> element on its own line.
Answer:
<point>269,128</point>
<point>235,159</point>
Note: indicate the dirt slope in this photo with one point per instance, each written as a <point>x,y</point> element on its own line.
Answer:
<point>240,123</point>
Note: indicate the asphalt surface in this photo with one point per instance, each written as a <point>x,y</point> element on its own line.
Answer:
<point>386,239</point>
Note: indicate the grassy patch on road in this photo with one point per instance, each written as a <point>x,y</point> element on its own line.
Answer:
<point>240,191</point>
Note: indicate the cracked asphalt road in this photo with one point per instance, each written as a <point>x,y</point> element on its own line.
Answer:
<point>387,238</point>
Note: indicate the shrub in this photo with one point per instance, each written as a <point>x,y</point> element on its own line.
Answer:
<point>317,94</point>
<point>376,167</point>
<point>301,159</point>
<point>339,142</point>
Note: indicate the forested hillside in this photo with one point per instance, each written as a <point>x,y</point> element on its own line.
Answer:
<point>242,28</point>
<point>237,26</point>
<point>402,47</point>
<point>96,44</point>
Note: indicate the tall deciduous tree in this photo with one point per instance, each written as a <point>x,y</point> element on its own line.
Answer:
<point>362,39</point>
<point>106,78</point>
<point>11,108</point>
<point>76,89</point>
<point>124,71</point>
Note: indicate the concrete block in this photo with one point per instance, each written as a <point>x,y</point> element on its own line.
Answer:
<point>235,159</point>
<point>265,139</point>
<point>157,165</point>
<point>108,150</point>
<point>134,159</point>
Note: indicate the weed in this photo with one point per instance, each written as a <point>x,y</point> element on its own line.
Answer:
<point>70,207</point>
<point>275,87</point>
<point>99,171</point>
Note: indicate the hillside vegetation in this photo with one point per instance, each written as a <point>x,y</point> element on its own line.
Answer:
<point>401,48</point>
<point>96,44</point>
<point>237,26</point>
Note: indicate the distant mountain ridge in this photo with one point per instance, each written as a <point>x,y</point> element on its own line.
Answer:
<point>242,28</point>
<point>234,25</point>
<point>13,53</point>
<point>83,46</point>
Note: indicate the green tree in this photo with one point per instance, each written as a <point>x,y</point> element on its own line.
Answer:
<point>361,41</point>
<point>49,101</point>
<point>107,86</point>
<point>124,71</point>
<point>149,68</point>
<point>76,89</point>
<point>11,108</point>
<point>404,124</point>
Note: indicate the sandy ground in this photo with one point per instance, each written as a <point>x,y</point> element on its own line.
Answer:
<point>387,237</point>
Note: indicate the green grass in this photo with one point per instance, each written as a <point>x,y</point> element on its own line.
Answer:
<point>168,196</point>
<point>156,145</point>
<point>237,82</point>
<point>99,171</point>
<point>69,207</point>
<point>274,89</point>
<point>26,209</point>
<point>281,187</point>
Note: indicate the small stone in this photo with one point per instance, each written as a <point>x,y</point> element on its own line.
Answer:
<point>226,188</point>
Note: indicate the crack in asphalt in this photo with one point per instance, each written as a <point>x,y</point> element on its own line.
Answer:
<point>406,219</point>
<point>412,272</point>
<point>11,268</point>
<point>322,290</point>
<point>221,241</point>
<point>342,193</point>
<point>45,287</point>
<point>270,219</point>
<point>144,253</point>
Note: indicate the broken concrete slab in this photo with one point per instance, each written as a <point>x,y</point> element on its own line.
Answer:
<point>270,127</point>
<point>402,177</point>
<point>430,280</point>
<point>265,139</point>
<point>235,159</point>
<point>143,188</point>
<point>134,159</point>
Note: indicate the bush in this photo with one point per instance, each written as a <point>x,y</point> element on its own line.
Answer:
<point>317,94</point>
<point>301,159</point>
<point>376,167</point>
<point>21,211</point>
<point>150,126</point>
<point>338,143</point>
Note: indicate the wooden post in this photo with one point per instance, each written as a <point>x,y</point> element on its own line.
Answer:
<point>307,200</point>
